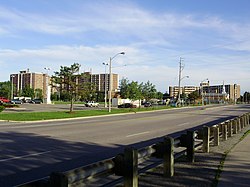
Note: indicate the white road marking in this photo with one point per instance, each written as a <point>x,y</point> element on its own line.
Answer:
<point>183,124</point>
<point>137,134</point>
<point>24,156</point>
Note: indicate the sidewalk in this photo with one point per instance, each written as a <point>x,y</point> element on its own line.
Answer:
<point>236,171</point>
<point>202,172</point>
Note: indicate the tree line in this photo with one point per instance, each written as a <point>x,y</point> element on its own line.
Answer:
<point>5,91</point>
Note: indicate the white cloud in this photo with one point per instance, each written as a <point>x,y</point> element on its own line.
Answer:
<point>153,43</point>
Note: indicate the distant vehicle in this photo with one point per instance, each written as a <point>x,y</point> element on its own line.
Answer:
<point>92,104</point>
<point>16,101</point>
<point>4,100</point>
<point>36,101</point>
<point>127,105</point>
<point>147,104</point>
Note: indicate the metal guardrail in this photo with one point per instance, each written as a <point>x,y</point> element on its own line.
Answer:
<point>126,164</point>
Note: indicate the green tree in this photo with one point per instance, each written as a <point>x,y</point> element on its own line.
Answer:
<point>87,91</point>
<point>39,93</point>
<point>124,91</point>
<point>194,95</point>
<point>149,91</point>
<point>159,95</point>
<point>246,97</point>
<point>67,78</point>
<point>5,89</point>
<point>134,90</point>
<point>166,95</point>
<point>28,92</point>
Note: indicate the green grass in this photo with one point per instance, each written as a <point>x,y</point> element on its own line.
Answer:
<point>37,116</point>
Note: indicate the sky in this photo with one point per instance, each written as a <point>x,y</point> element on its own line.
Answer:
<point>211,37</point>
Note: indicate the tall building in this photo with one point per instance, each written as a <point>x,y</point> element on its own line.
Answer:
<point>174,90</point>
<point>28,79</point>
<point>102,80</point>
<point>38,81</point>
<point>230,91</point>
<point>212,94</point>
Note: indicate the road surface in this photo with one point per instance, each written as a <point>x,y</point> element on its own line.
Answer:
<point>33,150</point>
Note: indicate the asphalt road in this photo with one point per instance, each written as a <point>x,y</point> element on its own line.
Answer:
<point>33,150</point>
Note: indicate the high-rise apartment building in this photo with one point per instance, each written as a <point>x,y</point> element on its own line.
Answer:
<point>102,80</point>
<point>231,91</point>
<point>28,79</point>
<point>210,93</point>
<point>38,81</point>
<point>174,91</point>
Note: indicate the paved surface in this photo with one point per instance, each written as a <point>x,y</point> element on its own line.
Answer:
<point>236,171</point>
<point>203,171</point>
<point>32,151</point>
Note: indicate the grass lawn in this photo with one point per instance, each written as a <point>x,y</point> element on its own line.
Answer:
<point>37,116</point>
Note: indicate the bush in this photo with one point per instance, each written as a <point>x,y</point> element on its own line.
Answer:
<point>2,108</point>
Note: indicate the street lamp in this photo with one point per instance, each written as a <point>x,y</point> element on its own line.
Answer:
<point>47,99</point>
<point>12,86</point>
<point>110,77</point>
<point>105,84</point>
<point>202,95</point>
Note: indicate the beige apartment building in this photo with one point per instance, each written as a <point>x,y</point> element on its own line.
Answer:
<point>102,80</point>
<point>230,92</point>
<point>174,91</point>
<point>28,79</point>
<point>38,81</point>
<point>211,93</point>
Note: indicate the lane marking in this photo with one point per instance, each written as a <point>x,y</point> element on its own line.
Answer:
<point>183,124</point>
<point>24,156</point>
<point>137,134</point>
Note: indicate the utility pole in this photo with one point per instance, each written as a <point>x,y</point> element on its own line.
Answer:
<point>181,67</point>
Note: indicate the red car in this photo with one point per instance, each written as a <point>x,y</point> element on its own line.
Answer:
<point>4,100</point>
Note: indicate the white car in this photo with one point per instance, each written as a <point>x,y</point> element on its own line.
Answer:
<point>92,104</point>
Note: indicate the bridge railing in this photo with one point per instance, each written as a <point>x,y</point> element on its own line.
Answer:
<point>126,164</point>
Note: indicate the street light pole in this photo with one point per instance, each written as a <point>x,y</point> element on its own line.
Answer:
<point>111,78</point>
<point>202,95</point>
<point>105,85</point>
<point>47,86</point>
<point>181,67</point>
<point>12,86</point>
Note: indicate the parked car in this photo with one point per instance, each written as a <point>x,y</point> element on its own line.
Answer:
<point>127,105</point>
<point>92,104</point>
<point>36,101</point>
<point>4,100</point>
<point>16,101</point>
<point>147,104</point>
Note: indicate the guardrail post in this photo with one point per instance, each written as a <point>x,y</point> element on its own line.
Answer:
<point>229,128</point>
<point>206,139</point>
<point>58,180</point>
<point>238,124</point>
<point>130,167</point>
<point>245,120</point>
<point>235,126</point>
<point>216,134</point>
<point>190,146</point>
<point>248,118</point>
<point>224,131</point>
<point>242,122</point>
<point>168,157</point>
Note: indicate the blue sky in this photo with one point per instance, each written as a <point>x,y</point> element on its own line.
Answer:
<point>213,38</point>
